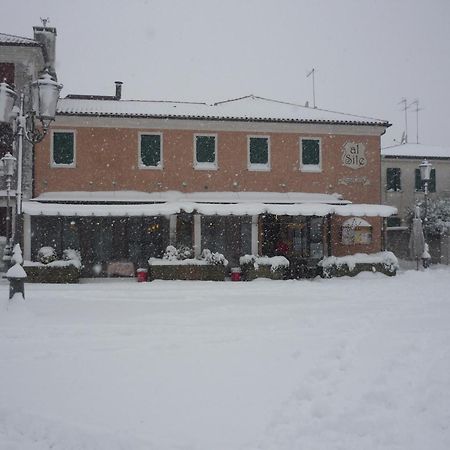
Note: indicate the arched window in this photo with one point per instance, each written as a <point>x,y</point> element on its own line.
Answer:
<point>356,231</point>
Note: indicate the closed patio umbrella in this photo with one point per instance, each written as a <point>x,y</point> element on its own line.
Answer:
<point>416,238</point>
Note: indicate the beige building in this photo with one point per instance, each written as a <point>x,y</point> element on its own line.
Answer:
<point>402,188</point>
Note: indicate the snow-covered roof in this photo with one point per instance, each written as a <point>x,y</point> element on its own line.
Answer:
<point>246,108</point>
<point>416,151</point>
<point>10,39</point>
<point>198,197</point>
<point>34,208</point>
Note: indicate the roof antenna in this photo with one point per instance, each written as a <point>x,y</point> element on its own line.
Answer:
<point>405,107</point>
<point>416,102</point>
<point>313,71</point>
<point>44,21</point>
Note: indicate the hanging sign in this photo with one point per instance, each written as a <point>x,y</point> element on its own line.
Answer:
<point>354,155</point>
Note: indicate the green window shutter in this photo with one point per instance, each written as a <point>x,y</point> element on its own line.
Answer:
<point>63,148</point>
<point>417,181</point>
<point>310,152</point>
<point>151,150</point>
<point>393,179</point>
<point>205,149</point>
<point>432,182</point>
<point>389,179</point>
<point>259,150</point>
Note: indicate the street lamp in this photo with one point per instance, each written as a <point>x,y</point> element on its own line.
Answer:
<point>44,99</point>
<point>8,163</point>
<point>425,176</point>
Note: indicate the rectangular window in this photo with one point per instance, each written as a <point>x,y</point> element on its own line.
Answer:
<point>258,153</point>
<point>310,159</point>
<point>150,151</point>
<point>431,184</point>
<point>205,152</point>
<point>63,148</point>
<point>393,180</point>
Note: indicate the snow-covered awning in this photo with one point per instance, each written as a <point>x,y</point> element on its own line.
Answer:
<point>34,208</point>
<point>195,197</point>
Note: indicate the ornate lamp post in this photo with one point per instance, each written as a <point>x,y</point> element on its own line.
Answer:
<point>44,96</point>
<point>9,163</point>
<point>425,176</point>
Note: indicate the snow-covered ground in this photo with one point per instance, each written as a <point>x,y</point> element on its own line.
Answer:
<point>347,364</point>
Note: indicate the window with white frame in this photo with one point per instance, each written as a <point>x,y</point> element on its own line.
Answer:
<point>205,151</point>
<point>258,153</point>
<point>310,155</point>
<point>150,151</point>
<point>63,148</point>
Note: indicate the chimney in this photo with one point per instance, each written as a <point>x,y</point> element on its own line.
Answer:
<point>47,37</point>
<point>118,89</point>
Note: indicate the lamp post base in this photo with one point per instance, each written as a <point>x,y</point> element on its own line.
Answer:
<point>16,286</point>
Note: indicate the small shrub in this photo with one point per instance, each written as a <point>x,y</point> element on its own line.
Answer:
<point>70,254</point>
<point>46,255</point>
<point>215,258</point>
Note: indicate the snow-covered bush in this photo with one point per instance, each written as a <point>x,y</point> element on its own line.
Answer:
<point>46,255</point>
<point>171,253</point>
<point>185,252</point>
<point>181,253</point>
<point>70,254</point>
<point>438,215</point>
<point>214,257</point>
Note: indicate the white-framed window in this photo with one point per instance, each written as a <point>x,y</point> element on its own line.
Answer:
<point>258,153</point>
<point>150,151</point>
<point>310,154</point>
<point>63,148</point>
<point>205,151</point>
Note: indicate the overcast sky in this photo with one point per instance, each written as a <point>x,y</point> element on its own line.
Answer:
<point>368,54</point>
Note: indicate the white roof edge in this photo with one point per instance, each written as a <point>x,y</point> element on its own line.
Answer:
<point>34,208</point>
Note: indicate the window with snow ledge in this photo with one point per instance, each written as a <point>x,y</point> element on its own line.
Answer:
<point>150,151</point>
<point>205,151</point>
<point>63,148</point>
<point>310,155</point>
<point>356,231</point>
<point>258,153</point>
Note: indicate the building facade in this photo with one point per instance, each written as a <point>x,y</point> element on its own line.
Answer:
<point>403,189</point>
<point>120,180</point>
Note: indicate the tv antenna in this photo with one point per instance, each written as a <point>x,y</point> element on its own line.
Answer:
<point>416,102</point>
<point>45,21</point>
<point>312,72</point>
<point>405,108</point>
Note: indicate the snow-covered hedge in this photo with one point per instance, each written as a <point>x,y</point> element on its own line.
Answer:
<point>385,262</point>
<point>174,257</point>
<point>275,262</point>
<point>275,267</point>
